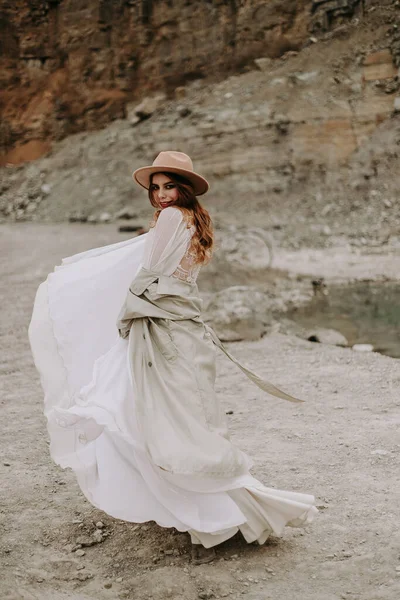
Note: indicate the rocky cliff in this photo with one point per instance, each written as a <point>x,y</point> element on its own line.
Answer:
<point>310,137</point>
<point>73,65</point>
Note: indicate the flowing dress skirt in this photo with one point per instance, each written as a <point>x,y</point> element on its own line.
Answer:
<point>94,431</point>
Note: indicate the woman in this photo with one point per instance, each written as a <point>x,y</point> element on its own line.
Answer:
<point>132,410</point>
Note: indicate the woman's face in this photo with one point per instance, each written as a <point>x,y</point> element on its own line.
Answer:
<point>164,190</point>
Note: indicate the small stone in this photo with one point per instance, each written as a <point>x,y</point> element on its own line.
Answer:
<point>228,95</point>
<point>180,92</point>
<point>119,580</point>
<point>97,536</point>
<point>326,210</point>
<point>326,336</point>
<point>125,213</point>
<point>145,109</point>
<point>347,554</point>
<point>77,521</point>
<point>229,412</point>
<point>396,105</point>
<point>183,111</point>
<point>139,229</point>
<point>108,585</point>
<point>45,189</point>
<point>356,88</point>
<point>80,567</point>
<point>363,347</point>
<point>264,63</point>
<point>168,552</point>
<point>77,217</point>
<point>80,553</point>
<point>31,207</point>
<point>7,464</point>
<point>387,203</point>
<point>99,525</point>
<point>134,120</point>
<point>84,541</point>
<point>104,217</point>
<point>398,569</point>
<point>380,452</point>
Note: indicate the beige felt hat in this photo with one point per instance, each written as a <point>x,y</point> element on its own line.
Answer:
<point>172,162</point>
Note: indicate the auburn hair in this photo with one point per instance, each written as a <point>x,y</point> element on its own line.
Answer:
<point>194,214</point>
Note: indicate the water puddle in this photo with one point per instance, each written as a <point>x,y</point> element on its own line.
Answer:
<point>364,312</point>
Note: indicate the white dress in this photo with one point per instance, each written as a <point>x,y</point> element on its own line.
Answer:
<point>90,405</point>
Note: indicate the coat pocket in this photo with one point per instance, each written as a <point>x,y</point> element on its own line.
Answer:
<point>160,332</point>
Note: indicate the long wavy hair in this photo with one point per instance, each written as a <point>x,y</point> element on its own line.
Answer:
<point>194,214</point>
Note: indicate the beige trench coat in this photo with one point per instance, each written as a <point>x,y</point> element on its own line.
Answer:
<point>172,367</point>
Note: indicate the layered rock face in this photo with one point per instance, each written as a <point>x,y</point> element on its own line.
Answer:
<point>72,65</point>
<point>313,134</point>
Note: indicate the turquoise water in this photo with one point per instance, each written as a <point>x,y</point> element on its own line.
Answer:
<point>364,312</point>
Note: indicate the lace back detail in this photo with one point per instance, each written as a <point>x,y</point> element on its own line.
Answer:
<point>188,269</point>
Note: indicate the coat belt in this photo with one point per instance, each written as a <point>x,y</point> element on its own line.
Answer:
<point>178,301</point>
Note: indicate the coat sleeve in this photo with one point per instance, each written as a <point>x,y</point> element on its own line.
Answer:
<point>168,243</point>
<point>165,246</point>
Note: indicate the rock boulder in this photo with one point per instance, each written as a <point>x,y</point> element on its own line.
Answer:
<point>239,313</point>
<point>326,336</point>
<point>242,256</point>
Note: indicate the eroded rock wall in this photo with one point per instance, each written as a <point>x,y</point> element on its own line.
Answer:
<point>72,65</point>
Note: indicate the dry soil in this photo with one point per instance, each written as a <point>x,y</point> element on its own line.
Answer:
<point>342,445</point>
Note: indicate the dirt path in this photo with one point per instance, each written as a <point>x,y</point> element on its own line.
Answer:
<point>342,445</point>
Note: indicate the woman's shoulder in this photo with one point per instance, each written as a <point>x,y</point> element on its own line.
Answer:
<point>171,215</point>
<point>171,210</point>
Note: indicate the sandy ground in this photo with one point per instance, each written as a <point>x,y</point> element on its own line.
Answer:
<point>342,445</point>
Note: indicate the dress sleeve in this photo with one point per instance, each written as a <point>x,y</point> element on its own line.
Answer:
<point>168,242</point>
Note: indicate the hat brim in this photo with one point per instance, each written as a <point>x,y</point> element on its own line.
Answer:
<point>142,177</point>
